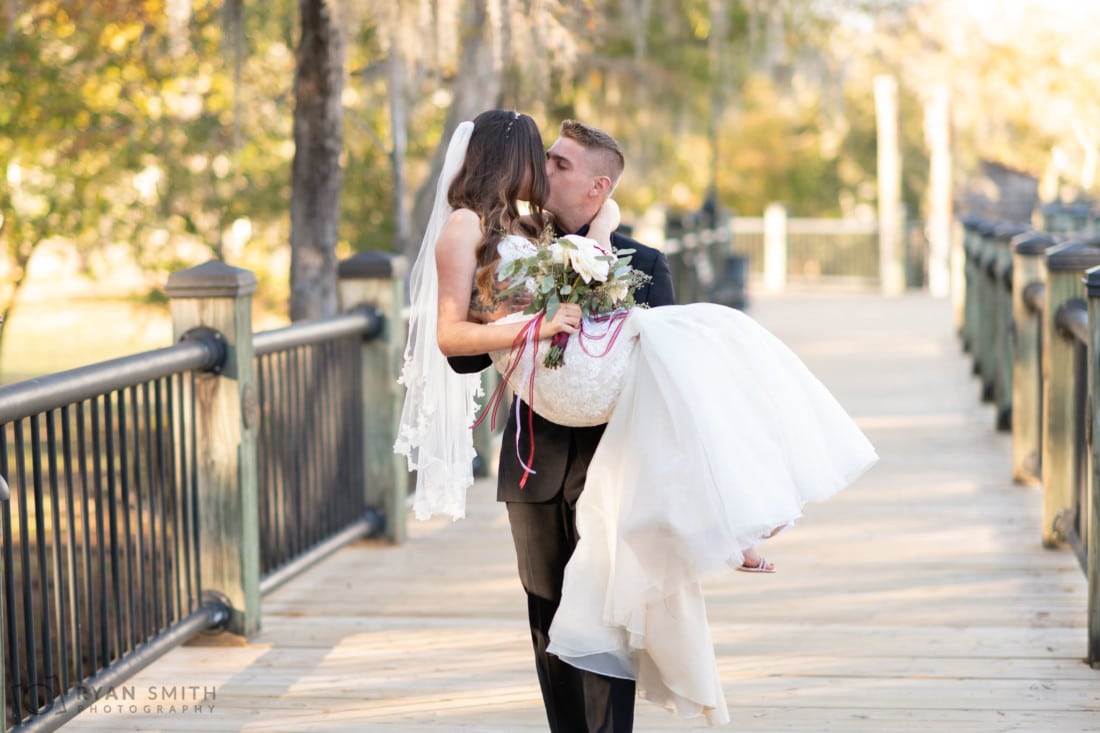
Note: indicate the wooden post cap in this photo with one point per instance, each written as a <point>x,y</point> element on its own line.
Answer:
<point>213,279</point>
<point>1032,243</point>
<point>1074,255</point>
<point>1092,281</point>
<point>1006,231</point>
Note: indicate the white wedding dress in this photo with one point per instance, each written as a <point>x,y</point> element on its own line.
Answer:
<point>717,434</point>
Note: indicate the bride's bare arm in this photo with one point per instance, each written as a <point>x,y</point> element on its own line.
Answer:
<point>456,265</point>
<point>606,221</point>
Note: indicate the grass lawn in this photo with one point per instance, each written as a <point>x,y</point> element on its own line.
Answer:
<point>51,336</point>
<point>44,337</point>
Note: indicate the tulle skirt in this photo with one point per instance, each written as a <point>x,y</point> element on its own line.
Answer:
<point>718,436</point>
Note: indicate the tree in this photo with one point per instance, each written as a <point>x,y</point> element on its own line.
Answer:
<point>317,176</point>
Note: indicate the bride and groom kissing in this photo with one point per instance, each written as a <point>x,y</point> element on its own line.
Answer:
<point>718,438</point>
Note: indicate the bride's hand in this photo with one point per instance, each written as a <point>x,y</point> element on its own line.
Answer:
<point>607,221</point>
<point>566,320</point>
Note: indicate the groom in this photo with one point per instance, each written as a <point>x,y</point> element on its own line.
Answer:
<point>583,164</point>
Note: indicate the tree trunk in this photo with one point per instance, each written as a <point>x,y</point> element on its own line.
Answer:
<point>476,88</point>
<point>639,26</point>
<point>399,120</point>
<point>233,28</point>
<point>719,28</point>
<point>17,278</point>
<point>316,176</point>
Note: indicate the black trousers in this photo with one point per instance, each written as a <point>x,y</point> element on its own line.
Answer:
<point>545,535</point>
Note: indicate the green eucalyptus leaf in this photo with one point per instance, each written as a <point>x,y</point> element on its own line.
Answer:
<point>552,305</point>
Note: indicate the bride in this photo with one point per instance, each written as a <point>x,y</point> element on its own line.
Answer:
<point>718,437</point>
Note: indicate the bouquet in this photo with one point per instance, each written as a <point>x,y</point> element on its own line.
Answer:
<point>571,269</point>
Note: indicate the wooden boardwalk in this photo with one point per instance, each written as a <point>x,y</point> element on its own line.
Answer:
<point>918,600</point>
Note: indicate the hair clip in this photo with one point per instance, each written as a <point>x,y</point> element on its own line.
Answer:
<point>508,129</point>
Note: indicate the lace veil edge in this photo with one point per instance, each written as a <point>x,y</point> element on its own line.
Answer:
<point>440,404</point>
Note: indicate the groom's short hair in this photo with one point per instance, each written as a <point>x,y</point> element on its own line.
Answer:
<point>610,154</point>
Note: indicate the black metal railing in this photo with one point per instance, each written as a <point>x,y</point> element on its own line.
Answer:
<point>99,552</point>
<point>1030,323</point>
<point>311,437</point>
<point>129,489</point>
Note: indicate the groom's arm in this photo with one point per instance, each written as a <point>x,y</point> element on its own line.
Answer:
<point>660,289</point>
<point>650,260</point>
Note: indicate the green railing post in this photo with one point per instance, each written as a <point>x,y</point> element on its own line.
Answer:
<point>1092,542</point>
<point>971,252</point>
<point>957,275</point>
<point>1003,340</point>
<point>1028,281</point>
<point>986,321</point>
<point>378,279</point>
<point>1066,264</point>
<point>217,296</point>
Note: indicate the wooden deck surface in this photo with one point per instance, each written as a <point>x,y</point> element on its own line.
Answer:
<point>918,600</point>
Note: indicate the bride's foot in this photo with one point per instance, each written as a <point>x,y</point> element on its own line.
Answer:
<point>752,562</point>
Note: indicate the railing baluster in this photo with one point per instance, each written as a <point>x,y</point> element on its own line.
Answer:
<point>113,512</point>
<point>71,605</point>
<point>297,460</point>
<point>153,493</point>
<point>86,537</point>
<point>59,607</point>
<point>42,546</point>
<point>193,492</point>
<point>105,632</point>
<point>15,677</point>
<point>161,450</point>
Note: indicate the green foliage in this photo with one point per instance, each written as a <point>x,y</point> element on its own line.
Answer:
<point>112,129</point>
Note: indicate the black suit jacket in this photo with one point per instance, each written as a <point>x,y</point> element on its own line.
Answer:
<point>553,442</point>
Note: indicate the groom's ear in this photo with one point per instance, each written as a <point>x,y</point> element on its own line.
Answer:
<point>601,186</point>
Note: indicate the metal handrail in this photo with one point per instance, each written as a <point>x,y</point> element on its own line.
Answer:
<point>365,320</point>
<point>204,351</point>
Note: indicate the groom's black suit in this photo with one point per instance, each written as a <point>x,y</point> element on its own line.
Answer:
<point>541,514</point>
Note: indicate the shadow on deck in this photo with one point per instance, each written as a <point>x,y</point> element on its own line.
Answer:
<point>920,598</point>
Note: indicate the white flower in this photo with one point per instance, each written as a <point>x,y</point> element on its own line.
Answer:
<point>584,258</point>
<point>617,290</point>
<point>557,254</point>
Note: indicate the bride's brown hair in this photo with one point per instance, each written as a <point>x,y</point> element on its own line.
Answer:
<point>505,163</point>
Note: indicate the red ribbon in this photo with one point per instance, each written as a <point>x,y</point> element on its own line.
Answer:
<point>526,336</point>
<point>617,319</point>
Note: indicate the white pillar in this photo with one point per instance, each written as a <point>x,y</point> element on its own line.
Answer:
<point>891,251</point>
<point>937,131</point>
<point>775,248</point>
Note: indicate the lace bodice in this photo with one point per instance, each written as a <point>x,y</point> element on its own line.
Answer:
<point>584,390</point>
<point>514,247</point>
